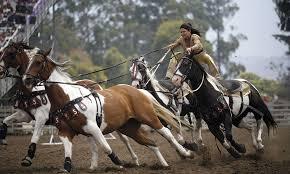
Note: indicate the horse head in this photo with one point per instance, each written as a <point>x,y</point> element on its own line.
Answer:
<point>138,72</point>
<point>189,69</point>
<point>39,68</point>
<point>14,56</point>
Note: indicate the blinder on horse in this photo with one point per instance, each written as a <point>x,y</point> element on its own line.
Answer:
<point>10,54</point>
<point>35,79</point>
<point>138,66</point>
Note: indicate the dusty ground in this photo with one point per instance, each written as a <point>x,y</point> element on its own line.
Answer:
<point>49,159</point>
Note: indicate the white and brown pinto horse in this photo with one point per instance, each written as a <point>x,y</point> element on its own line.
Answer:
<point>35,105</point>
<point>121,107</point>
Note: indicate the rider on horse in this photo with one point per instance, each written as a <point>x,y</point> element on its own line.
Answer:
<point>190,41</point>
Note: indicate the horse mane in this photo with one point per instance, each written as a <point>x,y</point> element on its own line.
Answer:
<point>59,66</point>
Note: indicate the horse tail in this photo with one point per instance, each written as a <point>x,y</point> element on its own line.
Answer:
<point>166,115</point>
<point>257,102</point>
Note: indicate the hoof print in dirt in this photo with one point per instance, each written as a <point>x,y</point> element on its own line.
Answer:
<point>159,167</point>
<point>130,165</point>
<point>112,169</point>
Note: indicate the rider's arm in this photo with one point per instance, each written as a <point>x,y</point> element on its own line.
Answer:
<point>174,44</point>
<point>197,45</point>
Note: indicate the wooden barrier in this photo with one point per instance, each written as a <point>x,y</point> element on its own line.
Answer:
<point>280,113</point>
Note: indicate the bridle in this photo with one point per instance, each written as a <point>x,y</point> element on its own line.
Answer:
<point>37,78</point>
<point>137,68</point>
<point>5,72</point>
<point>184,76</point>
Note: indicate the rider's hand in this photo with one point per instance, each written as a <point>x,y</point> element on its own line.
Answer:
<point>188,50</point>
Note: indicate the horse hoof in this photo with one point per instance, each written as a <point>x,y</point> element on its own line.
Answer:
<point>3,142</point>
<point>261,150</point>
<point>190,146</point>
<point>234,153</point>
<point>93,168</point>
<point>26,162</point>
<point>240,148</point>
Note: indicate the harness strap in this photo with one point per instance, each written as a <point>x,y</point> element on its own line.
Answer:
<point>66,107</point>
<point>242,103</point>
<point>255,110</point>
<point>99,115</point>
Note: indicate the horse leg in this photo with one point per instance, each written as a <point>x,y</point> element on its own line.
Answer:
<point>140,136</point>
<point>94,150</point>
<point>40,120</point>
<point>228,131</point>
<point>17,117</point>
<point>215,130</point>
<point>251,130</point>
<point>125,140</point>
<point>93,129</point>
<point>67,143</point>
<point>193,146</point>
<point>165,132</point>
<point>259,135</point>
<point>198,131</point>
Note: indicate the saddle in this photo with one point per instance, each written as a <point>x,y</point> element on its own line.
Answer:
<point>234,87</point>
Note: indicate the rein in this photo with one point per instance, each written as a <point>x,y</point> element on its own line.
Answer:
<point>92,84</point>
<point>157,66</point>
<point>110,67</point>
<point>184,76</point>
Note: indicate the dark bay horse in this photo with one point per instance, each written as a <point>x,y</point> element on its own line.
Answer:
<point>120,107</point>
<point>35,105</point>
<point>220,106</point>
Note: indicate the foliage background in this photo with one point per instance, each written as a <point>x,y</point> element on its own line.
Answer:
<point>96,34</point>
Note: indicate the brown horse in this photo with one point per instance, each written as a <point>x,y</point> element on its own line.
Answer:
<point>35,105</point>
<point>121,107</point>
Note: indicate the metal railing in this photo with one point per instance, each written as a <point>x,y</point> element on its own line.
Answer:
<point>40,10</point>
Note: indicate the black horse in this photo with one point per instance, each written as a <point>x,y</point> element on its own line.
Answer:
<point>142,78</point>
<point>213,105</point>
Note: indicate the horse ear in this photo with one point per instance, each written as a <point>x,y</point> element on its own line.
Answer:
<point>46,53</point>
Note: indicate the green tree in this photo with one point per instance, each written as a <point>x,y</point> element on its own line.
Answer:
<point>217,12</point>
<point>265,86</point>
<point>283,11</point>
<point>82,64</point>
<point>112,57</point>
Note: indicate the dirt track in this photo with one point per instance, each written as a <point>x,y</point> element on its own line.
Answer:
<point>49,159</point>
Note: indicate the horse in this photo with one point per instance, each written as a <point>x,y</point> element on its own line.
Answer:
<point>227,106</point>
<point>37,104</point>
<point>121,107</point>
<point>144,79</point>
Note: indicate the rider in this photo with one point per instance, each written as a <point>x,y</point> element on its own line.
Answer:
<point>190,41</point>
